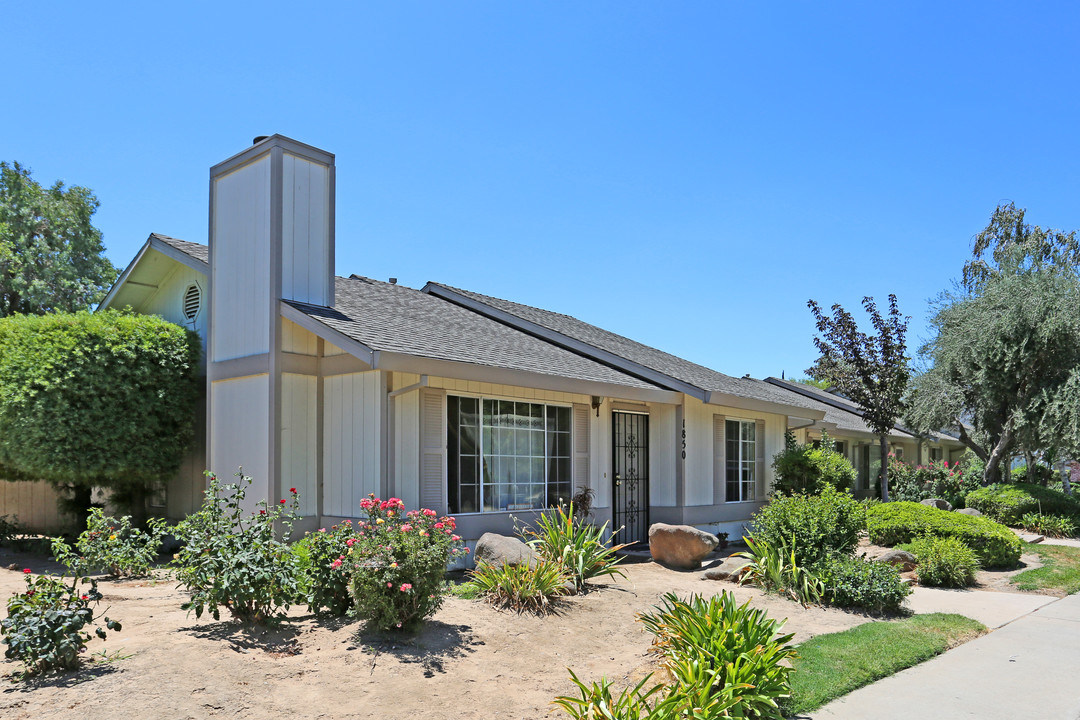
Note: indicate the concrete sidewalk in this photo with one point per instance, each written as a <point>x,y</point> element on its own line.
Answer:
<point>992,609</point>
<point>1026,669</point>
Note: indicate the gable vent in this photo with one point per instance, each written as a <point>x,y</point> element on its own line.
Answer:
<point>192,301</point>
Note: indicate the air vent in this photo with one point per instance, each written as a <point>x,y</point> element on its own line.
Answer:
<point>192,301</point>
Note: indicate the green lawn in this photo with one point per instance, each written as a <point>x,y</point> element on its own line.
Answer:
<point>1060,571</point>
<point>833,665</point>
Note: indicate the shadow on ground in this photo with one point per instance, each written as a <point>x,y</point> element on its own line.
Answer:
<point>432,647</point>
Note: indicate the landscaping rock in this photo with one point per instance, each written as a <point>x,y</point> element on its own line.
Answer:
<point>969,511</point>
<point>937,503</point>
<point>680,546</point>
<point>495,549</point>
<point>731,569</point>
<point>901,558</point>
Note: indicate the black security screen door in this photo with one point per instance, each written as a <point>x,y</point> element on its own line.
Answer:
<point>630,485</point>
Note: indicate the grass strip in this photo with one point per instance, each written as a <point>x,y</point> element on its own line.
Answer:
<point>1060,570</point>
<point>832,665</point>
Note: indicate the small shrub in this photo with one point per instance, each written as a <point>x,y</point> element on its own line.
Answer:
<point>1008,503</point>
<point>894,523</point>
<point>813,526</point>
<point>856,583</point>
<point>10,531</point>
<point>398,562</point>
<point>596,701</point>
<point>112,545</point>
<point>323,579</point>
<point>944,562</point>
<point>44,626</point>
<point>776,568</point>
<point>528,586</point>
<point>235,559</point>
<point>563,538</point>
<point>1050,525</point>
<point>735,652</point>
<point>807,469</point>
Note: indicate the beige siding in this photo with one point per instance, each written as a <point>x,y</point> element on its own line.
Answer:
<point>330,350</point>
<point>168,300</point>
<point>240,418</point>
<point>299,445</point>
<point>406,441</point>
<point>295,339</point>
<point>662,447</point>
<point>241,255</point>
<point>34,505</point>
<point>305,268</point>
<point>184,492</point>
<point>352,441</point>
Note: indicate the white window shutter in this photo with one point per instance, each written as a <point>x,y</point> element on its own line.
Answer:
<point>433,449</point>
<point>719,470</point>
<point>582,424</point>
<point>759,443</point>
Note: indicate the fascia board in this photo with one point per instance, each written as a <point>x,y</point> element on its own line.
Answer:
<point>179,255</point>
<point>735,401</point>
<point>104,304</point>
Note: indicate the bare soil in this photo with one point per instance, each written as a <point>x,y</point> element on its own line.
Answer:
<point>471,661</point>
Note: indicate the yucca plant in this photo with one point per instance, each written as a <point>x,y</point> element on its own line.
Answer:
<point>777,568</point>
<point>597,703</point>
<point>576,545</point>
<point>528,586</point>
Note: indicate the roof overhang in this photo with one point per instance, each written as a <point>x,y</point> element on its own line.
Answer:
<point>140,279</point>
<point>735,401</point>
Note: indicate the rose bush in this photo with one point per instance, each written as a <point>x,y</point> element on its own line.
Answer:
<point>397,563</point>
<point>324,581</point>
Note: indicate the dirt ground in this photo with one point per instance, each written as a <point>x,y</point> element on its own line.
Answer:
<point>472,661</point>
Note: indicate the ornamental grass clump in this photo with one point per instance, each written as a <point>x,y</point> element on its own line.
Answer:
<point>776,568</point>
<point>112,545</point>
<point>523,587</point>
<point>397,563</point>
<point>235,559</point>
<point>568,540</point>
<point>44,629</point>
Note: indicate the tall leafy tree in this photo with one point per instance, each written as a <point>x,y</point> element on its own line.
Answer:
<point>50,253</point>
<point>869,369</point>
<point>1004,365</point>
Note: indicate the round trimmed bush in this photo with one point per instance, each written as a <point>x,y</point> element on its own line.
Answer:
<point>902,522</point>
<point>858,583</point>
<point>944,562</point>
<point>813,526</point>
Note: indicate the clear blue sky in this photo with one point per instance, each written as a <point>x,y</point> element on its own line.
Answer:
<point>684,173</point>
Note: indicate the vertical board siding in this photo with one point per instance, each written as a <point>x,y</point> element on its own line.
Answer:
<point>240,416</point>
<point>433,449</point>
<point>184,492</point>
<point>699,452</point>
<point>663,441</point>
<point>299,451</point>
<point>407,441</point>
<point>305,231</point>
<point>330,350</point>
<point>35,506</point>
<point>352,437</point>
<point>241,261</point>
<point>295,339</point>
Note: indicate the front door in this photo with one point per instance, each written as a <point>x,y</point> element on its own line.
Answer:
<point>630,484</point>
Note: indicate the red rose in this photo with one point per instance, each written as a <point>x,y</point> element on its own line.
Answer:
<point>282,501</point>
<point>292,490</point>
<point>27,570</point>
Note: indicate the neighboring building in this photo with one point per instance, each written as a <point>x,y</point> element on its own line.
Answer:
<point>844,424</point>
<point>449,399</point>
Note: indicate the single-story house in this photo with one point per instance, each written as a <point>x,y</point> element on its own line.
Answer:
<point>844,424</point>
<point>449,399</point>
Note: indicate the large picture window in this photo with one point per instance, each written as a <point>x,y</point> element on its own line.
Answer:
<point>506,455</point>
<point>740,437</point>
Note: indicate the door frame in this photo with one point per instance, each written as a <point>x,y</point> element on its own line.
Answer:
<point>619,512</point>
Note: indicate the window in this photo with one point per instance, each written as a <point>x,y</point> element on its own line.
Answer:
<point>936,454</point>
<point>506,455</point>
<point>741,448</point>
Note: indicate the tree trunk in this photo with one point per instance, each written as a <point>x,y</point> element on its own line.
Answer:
<point>883,440</point>
<point>992,474</point>
<point>1029,465</point>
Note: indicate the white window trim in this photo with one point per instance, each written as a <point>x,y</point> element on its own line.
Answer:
<point>753,462</point>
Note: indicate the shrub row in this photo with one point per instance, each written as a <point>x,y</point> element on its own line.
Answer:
<point>812,526</point>
<point>902,522</point>
<point>1008,503</point>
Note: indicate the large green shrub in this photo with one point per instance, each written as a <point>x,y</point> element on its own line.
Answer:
<point>235,559</point>
<point>857,583</point>
<point>901,522</point>
<point>1009,503</point>
<point>813,526</point>
<point>96,399</point>
<point>938,479</point>
<point>944,561</point>
<point>807,469</point>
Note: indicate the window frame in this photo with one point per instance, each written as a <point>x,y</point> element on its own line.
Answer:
<point>480,398</point>
<point>742,462</point>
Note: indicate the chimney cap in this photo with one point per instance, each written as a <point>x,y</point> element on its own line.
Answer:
<point>393,281</point>
<point>258,139</point>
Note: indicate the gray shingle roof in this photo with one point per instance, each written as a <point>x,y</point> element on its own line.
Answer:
<point>394,318</point>
<point>666,364</point>
<point>195,250</point>
<point>840,411</point>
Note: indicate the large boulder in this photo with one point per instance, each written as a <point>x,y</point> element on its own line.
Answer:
<point>900,559</point>
<point>731,569</point>
<point>969,511</point>
<point>937,503</point>
<point>495,549</point>
<point>680,546</point>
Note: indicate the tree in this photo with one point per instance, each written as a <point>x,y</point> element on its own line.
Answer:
<point>96,400</point>
<point>50,255</point>
<point>1004,365</point>
<point>870,370</point>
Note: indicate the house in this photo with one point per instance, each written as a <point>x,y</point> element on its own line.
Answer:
<point>844,424</point>
<point>449,399</point>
